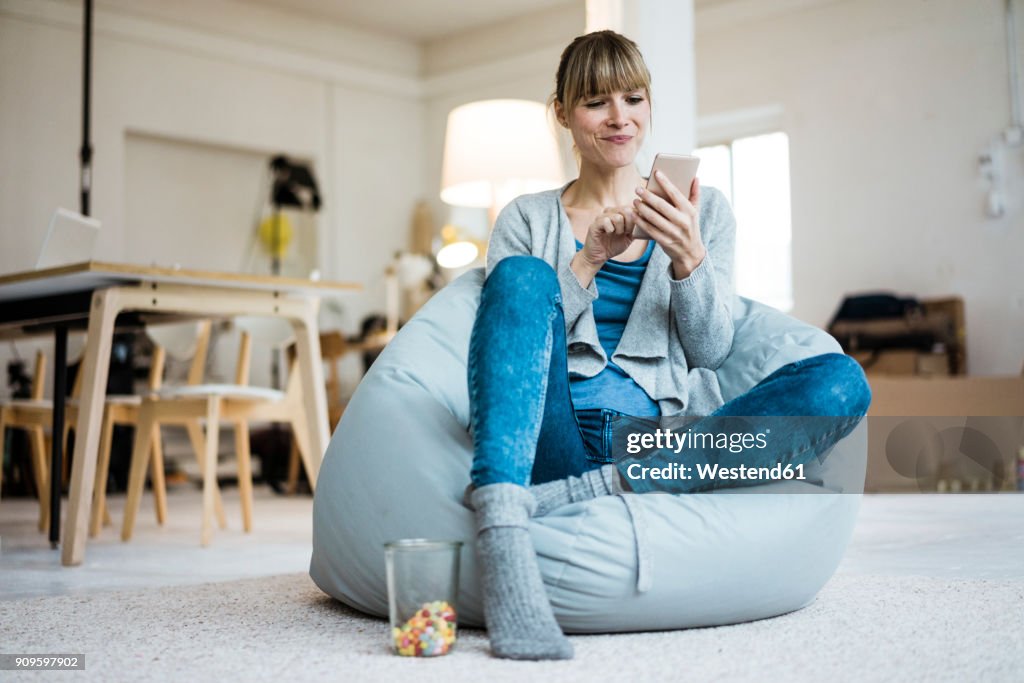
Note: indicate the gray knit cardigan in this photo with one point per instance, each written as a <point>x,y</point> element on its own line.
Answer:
<point>678,332</point>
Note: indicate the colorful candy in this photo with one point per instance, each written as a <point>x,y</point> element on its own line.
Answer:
<point>427,633</point>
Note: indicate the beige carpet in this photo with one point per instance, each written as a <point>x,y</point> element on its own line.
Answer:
<point>282,628</point>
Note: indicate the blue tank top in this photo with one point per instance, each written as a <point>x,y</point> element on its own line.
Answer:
<point>618,284</point>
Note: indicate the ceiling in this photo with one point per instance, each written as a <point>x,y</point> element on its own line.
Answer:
<point>418,20</point>
<point>423,20</point>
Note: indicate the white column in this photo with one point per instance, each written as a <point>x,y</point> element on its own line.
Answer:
<point>664,31</point>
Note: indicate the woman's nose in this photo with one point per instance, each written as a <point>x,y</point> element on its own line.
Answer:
<point>616,115</point>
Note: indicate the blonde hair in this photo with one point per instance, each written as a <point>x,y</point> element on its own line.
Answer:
<point>596,64</point>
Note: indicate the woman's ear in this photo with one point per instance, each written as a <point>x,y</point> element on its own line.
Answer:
<point>560,115</point>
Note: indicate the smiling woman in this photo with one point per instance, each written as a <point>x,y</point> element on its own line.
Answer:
<point>580,322</point>
<point>598,79</point>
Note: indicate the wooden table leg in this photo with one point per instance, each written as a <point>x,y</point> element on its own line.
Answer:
<point>106,304</point>
<point>314,397</point>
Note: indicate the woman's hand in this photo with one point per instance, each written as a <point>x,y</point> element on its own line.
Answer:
<point>673,224</point>
<point>609,235</point>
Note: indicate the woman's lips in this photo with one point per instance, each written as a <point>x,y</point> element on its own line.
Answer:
<point>618,139</point>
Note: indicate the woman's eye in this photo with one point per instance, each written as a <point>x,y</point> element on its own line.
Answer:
<point>635,99</point>
<point>594,104</point>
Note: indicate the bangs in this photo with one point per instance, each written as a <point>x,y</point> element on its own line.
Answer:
<point>612,72</point>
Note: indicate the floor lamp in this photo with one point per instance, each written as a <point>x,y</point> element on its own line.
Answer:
<point>495,150</point>
<point>293,185</point>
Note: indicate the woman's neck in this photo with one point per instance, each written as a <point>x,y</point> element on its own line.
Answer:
<point>599,188</point>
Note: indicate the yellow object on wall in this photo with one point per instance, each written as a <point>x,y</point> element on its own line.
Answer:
<point>276,234</point>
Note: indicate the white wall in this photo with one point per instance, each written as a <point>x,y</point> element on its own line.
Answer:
<point>216,74</point>
<point>887,105</point>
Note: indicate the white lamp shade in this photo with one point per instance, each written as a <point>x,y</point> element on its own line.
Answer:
<point>495,150</point>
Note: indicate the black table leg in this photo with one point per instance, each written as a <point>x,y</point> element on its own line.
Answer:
<point>60,374</point>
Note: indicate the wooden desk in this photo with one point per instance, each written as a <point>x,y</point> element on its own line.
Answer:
<point>94,293</point>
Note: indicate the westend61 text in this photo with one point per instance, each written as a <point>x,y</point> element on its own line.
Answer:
<point>703,471</point>
<point>666,439</point>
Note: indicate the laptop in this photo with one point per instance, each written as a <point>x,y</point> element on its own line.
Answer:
<point>70,238</point>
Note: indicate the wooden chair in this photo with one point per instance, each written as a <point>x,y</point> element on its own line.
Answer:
<point>333,347</point>
<point>35,416</point>
<point>237,404</point>
<point>29,414</point>
<point>187,341</point>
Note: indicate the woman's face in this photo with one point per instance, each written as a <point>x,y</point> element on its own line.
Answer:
<point>609,129</point>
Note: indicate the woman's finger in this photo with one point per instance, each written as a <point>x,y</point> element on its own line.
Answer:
<point>675,195</point>
<point>664,207</point>
<point>626,213</point>
<point>670,218</point>
<point>695,193</point>
<point>657,219</point>
<point>618,222</point>
<point>653,231</point>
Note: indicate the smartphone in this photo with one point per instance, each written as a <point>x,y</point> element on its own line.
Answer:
<point>681,169</point>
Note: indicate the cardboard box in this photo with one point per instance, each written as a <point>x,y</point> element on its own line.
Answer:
<point>931,341</point>
<point>953,308</point>
<point>932,365</point>
<point>893,362</point>
<point>958,396</point>
<point>965,431</point>
<point>903,362</point>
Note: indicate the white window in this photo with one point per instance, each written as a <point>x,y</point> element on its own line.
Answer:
<point>753,172</point>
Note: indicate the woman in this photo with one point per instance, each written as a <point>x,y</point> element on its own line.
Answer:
<point>580,322</point>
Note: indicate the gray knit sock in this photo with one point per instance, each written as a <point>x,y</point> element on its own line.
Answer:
<point>519,619</point>
<point>591,484</point>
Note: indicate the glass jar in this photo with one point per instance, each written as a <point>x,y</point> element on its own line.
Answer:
<point>423,584</point>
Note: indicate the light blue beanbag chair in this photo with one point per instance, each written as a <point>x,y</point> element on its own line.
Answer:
<point>400,458</point>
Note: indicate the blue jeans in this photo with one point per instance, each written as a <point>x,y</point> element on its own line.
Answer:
<point>523,424</point>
